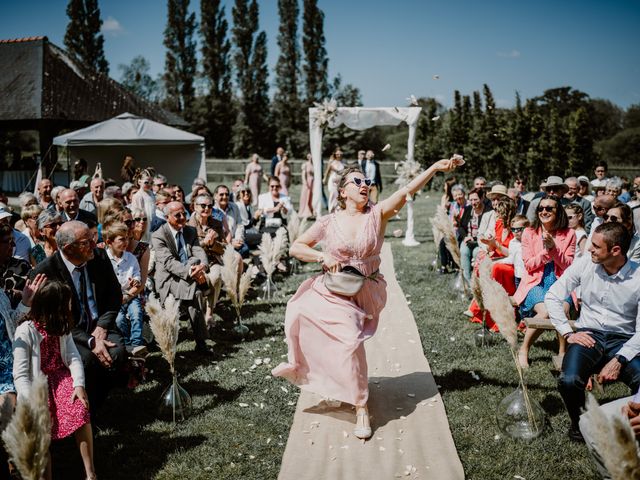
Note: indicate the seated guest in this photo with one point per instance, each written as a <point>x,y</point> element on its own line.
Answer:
<point>480,183</point>
<point>10,317</point>
<point>235,189</point>
<point>635,203</point>
<point>202,190</point>
<point>551,186</point>
<point>607,339</point>
<point>25,199</point>
<point>497,247</point>
<point>601,205</point>
<point>69,205</point>
<point>127,270</point>
<point>94,196</point>
<point>211,227</point>
<point>455,211</point>
<point>621,213</point>
<point>521,204</point>
<point>575,215</point>
<point>29,216</point>
<point>275,206</point>
<point>600,171</point>
<point>181,264</point>
<point>163,197</point>
<point>468,232</point>
<point>585,188</point>
<point>13,270</point>
<point>95,304</point>
<point>21,244</point>
<point>160,182</point>
<point>140,222</point>
<point>234,220</point>
<point>197,183</point>
<point>44,194</point>
<point>613,187</point>
<point>249,217</point>
<point>44,345</point>
<point>48,223</point>
<point>548,248</point>
<point>573,195</point>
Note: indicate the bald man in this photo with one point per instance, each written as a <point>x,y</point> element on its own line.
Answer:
<point>90,201</point>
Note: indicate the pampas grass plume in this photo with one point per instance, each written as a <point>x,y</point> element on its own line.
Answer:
<point>272,249</point>
<point>496,300</point>
<point>28,434</point>
<point>615,442</point>
<point>165,325</point>
<point>235,287</point>
<point>442,223</point>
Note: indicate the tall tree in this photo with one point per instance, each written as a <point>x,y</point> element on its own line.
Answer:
<point>316,62</point>
<point>286,107</point>
<point>218,113</point>
<point>180,60</point>
<point>250,130</point>
<point>83,38</point>
<point>137,79</point>
<point>581,154</point>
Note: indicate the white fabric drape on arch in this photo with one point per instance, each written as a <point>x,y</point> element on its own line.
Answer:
<point>357,118</point>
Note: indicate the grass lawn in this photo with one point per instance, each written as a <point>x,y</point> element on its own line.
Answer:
<point>241,417</point>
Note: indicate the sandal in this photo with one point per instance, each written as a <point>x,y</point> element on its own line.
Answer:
<point>362,431</point>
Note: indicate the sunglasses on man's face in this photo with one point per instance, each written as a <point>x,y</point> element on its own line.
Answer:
<point>546,208</point>
<point>357,181</point>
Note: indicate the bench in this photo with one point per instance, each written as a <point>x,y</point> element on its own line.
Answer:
<point>545,324</point>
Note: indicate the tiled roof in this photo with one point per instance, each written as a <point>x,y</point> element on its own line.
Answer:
<point>24,39</point>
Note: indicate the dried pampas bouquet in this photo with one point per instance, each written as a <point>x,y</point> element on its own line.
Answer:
<point>165,325</point>
<point>28,434</point>
<point>495,300</point>
<point>295,226</point>
<point>235,285</point>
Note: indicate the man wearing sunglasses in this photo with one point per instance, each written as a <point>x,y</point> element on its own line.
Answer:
<point>275,206</point>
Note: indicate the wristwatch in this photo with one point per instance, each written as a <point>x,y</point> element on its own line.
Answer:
<point>623,360</point>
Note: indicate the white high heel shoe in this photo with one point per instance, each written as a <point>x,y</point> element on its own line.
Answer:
<point>361,431</point>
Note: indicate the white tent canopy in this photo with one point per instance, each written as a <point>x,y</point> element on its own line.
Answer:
<point>177,154</point>
<point>356,118</point>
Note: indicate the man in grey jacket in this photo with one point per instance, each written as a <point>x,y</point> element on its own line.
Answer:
<point>181,264</point>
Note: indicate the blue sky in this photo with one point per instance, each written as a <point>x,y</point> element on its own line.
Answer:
<point>392,48</point>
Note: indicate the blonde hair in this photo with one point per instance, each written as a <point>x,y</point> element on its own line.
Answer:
<point>113,230</point>
<point>343,182</point>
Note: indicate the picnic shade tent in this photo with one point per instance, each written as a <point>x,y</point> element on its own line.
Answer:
<point>177,154</point>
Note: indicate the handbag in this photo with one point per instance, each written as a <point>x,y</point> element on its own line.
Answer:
<point>347,282</point>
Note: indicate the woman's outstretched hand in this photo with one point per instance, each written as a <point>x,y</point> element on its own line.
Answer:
<point>447,165</point>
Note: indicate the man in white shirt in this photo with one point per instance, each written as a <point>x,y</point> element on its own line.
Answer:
<point>607,339</point>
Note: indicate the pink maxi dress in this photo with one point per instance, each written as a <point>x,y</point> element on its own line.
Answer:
<point>326,332</point>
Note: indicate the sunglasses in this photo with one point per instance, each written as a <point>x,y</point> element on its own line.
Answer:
<point>546,208</point>
<point>357,181</point>
<point>223,194</point>
<point>274,186</point>
<point>140,219</point>
<point>205,205</point>
<point>611,218</point>
<point>160,184</point>
<point>54,225</point>
<point>517,229</point>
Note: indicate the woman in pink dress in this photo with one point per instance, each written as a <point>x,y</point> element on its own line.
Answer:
<point>325,331</point>
<point>283,172</point>
<point>44,344</point>
<point>306,193</point>
<point>253,177</point>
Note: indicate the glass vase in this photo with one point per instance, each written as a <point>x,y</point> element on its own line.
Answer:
<point>175,402</point>
<point>520,416</point>
<point>269,289</point>
<point>483,337</point>
<point>240,329</point>
<point>460,286</point>
<point>294,266</point>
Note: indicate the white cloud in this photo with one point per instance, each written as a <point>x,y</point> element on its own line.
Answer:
<point>111,26</point>
<point>512,54</point>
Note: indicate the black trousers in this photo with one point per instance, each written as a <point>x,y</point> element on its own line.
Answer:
<point>99,380</point>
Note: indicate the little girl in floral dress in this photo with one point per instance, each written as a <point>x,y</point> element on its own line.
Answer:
<point>44,343</point>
